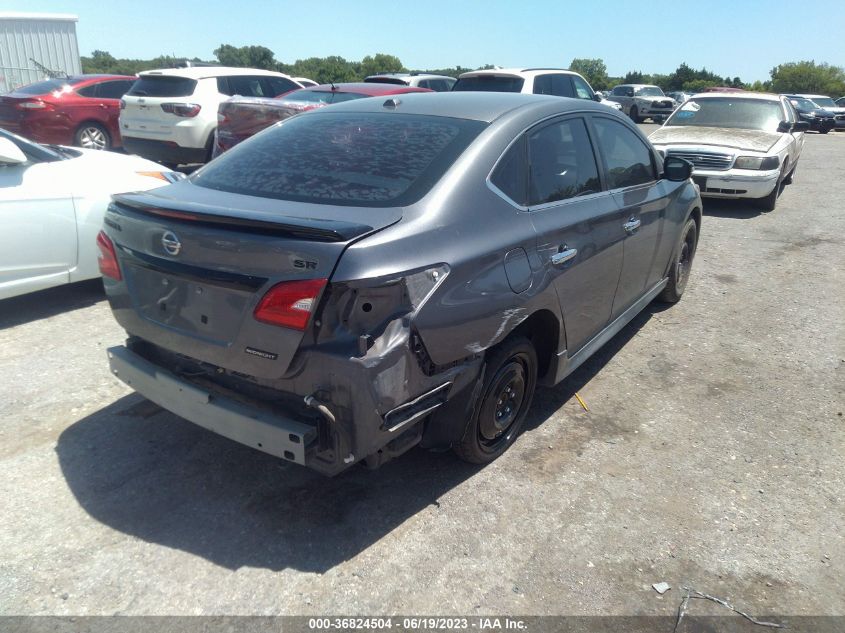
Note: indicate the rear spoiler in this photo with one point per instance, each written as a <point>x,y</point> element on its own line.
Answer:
<point>205,215</point>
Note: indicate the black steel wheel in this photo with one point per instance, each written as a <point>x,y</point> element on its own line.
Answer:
<point>509,383</point>
<point>681,265</point>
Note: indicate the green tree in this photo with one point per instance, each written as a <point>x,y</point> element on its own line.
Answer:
<point>807,76</point>
<point>246,56</point>
<point>633,77</point>
<point>380,63</point>
<point>593,70</point>
<point>324,70</point>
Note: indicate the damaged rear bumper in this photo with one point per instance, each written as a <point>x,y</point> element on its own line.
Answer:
<point>274,434</point>
<point>335,411</point>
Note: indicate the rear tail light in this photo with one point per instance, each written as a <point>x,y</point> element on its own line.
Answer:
<point>290,303</point>
<point>33,105</point>
<point>107,259</point>
<point>182,109</point>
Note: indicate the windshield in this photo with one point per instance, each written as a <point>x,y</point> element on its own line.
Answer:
<point>34,151</point>
<point>825,102</point>
<point>745,114</point>
<point>48,86</point>
<point>346,159</point>
<point>649,91</point>
<point>322,96</point>
<point>803,104</point>
<point>489,83</point>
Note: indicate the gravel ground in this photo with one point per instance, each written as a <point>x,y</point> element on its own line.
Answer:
<point>711,457</point>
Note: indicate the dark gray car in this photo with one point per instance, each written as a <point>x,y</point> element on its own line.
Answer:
<point>383,274</point>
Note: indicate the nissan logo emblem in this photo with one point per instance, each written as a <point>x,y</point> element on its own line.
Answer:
<point>171,243</point>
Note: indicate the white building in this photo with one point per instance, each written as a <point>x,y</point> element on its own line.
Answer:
<point>35,46</point>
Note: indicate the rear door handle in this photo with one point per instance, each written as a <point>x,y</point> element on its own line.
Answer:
<point>564,256</point>
<point>632,225</point>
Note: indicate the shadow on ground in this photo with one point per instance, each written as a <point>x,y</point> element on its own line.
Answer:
<point>147,473</point>
<point>47,303</point>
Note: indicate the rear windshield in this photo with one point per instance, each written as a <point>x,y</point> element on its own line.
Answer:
<point>346,159</point>
<point>745,114</point>
<point>386,80</point>
<point>489,83</point>
<point>162,86</point>
<point>49,85</point>
<point>322,96</point>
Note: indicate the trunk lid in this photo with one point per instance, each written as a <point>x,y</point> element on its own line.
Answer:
<point>198,299</point>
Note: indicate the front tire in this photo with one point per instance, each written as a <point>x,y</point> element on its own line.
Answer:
<point>681,266</point>
<point>769,202</point>
<point>635,114</point>
<point>510,379</point>
<point>92,136</point>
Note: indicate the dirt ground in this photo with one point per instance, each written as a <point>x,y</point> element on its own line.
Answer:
<point>711,457</point>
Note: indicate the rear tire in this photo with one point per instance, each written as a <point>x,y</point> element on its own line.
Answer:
<point>92,136</point>
<point>510,379</point>
<point>681,265</point>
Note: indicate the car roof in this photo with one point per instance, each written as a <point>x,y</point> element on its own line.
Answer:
<point>639,86</point>
<point>517,72</point>
<point>809,96</point>
<point>374,89</point>
<point>761,96</point>
<point>201,72</point>
<point>409,76</point>
<point>475,106</point>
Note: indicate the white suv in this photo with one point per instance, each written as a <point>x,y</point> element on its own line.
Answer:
<point>170,115</point>
<point>538,81</point>
<point>438,83</point>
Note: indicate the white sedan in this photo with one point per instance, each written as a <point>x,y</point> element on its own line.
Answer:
<point>741,145</point>
<point>52,201</point>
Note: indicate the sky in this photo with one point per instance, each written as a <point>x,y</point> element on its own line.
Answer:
<point>744,38</point>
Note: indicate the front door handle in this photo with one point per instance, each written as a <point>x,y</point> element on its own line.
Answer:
<point>564,256</point>
<point>632,225</point>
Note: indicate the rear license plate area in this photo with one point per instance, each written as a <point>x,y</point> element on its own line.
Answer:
<point>192,307</point>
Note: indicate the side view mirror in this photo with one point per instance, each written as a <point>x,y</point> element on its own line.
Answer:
<point>801,126</point>
<point>677,169</point>
<point>11,154</point>
<point>784,126</point>
<point>596,97</point>
<point>629,93</point>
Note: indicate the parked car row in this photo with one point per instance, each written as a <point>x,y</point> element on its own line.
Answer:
<point>375,274</point>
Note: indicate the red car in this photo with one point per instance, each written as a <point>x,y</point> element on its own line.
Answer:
<point>239,118</point>
<point>81,110</point>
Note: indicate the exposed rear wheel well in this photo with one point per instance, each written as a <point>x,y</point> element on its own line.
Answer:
<point>543,330</point>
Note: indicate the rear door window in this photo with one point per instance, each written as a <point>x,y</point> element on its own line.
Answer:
<point>511,174</point>
<point>275,86</point>
<point>627,159</point>
<point>162,86</point>
<point>344,159</point>
<point>561,162</point>
<point>246,86</point>
<point>113,89</point>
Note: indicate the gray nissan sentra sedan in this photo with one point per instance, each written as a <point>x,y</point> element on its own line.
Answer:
<point>383,274</point>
